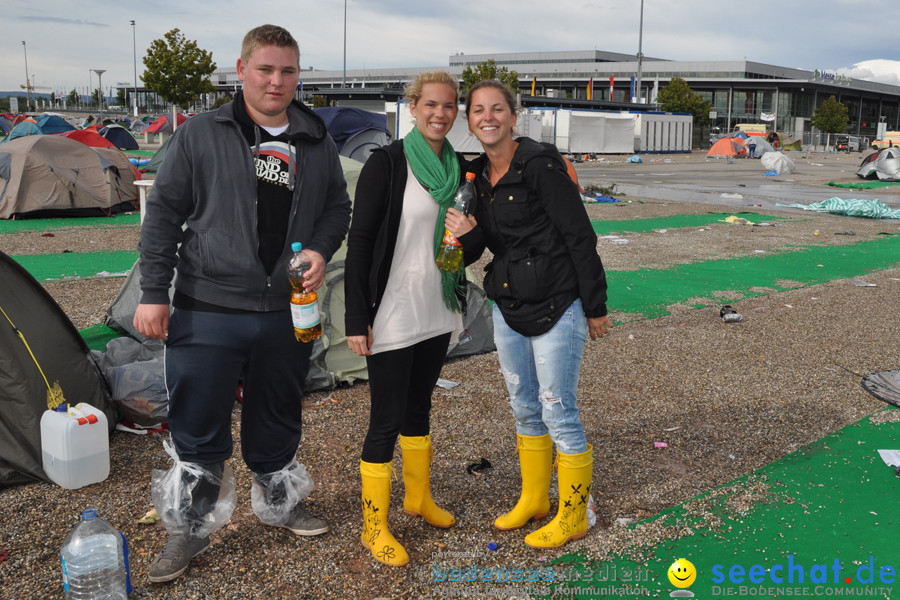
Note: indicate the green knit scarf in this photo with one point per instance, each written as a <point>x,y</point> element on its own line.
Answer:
<point>440,176</point>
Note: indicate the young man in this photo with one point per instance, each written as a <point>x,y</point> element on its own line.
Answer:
<point>238,186</point>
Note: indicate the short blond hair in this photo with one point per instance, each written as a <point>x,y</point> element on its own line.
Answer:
<point>413,90</point>
<point>268,35</point>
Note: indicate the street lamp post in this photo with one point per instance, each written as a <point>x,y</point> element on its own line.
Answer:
<point>90,101</point>
<point>100,73</point>
<point>27,80</point>
<point>344,80</point>
<point>134,43</point>
<point>640,55</point>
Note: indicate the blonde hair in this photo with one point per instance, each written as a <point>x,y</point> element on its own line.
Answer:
<point>413,90</point>
<point>267,35</point>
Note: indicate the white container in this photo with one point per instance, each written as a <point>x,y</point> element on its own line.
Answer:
<point>75,446</point>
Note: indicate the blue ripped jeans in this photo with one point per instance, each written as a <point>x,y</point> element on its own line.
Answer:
<point>541,374</point>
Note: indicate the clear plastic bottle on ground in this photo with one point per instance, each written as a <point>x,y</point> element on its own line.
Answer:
<point>450,254</point>
<point>304,305</point>
<point>94,561</point>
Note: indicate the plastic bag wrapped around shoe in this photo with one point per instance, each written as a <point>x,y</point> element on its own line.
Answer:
<point>273,495</point>
<point>191,495</point>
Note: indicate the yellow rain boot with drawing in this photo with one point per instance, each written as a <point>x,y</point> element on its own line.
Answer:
<point>535,464</point>
<point>417,452</point>
<point>376,500</point>
<point>570,522</point>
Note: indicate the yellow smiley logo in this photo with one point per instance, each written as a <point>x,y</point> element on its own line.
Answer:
<point>682,573</point>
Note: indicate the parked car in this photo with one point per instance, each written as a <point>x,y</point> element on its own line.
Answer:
<point>847,143</point>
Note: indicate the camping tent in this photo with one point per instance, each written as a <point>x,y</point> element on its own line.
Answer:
<point>88,137</point>
<point>49,175</point>
<point>332,362</point>
<point>120,137</point>
<point>163,125</point>
<point>356,132</point>
<point>5,124</point>
<point>727,147</point>
<point>50,123</point>
<point>777,163</point>
<point>45,362</point>
<point>883,165</point>
<point>158,156</point>
<point>22,129</point>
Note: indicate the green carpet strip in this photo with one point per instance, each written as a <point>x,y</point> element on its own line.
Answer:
<point>78,265</point>
<point>649,292</point>
<point>119,220</point>
<point>826,514</point>
<point>604,227</point>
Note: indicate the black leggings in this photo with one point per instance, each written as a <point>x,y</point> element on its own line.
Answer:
<point>400,385</point>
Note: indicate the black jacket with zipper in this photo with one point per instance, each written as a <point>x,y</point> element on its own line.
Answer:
<point>545,250</point>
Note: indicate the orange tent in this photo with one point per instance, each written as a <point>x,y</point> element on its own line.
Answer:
<point>727,147</point>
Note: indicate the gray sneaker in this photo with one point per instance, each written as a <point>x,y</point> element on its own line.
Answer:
<point>177,552</point>
<point>302,522</point>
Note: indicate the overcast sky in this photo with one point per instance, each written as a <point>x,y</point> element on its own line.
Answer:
<point>64,40</point>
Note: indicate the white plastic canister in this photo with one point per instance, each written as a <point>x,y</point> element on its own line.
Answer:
<point>75,446</point>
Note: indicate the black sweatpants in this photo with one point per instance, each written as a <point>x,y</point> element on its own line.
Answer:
<point>400,384</point>
<point>206,354</point>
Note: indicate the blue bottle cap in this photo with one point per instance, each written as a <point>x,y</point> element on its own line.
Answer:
<point>90,513</point>
<point>296,246</point>
<point>492,546</point>
<point>62,408</point>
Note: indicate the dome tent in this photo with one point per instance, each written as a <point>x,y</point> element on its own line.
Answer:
<point>45,362</point>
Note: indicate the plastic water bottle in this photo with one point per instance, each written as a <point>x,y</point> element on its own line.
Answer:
<point>304,305</point>
<point>95,561</point>
<point>450,254</point>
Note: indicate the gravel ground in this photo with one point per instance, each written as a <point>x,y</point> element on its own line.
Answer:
<point>726,398</point>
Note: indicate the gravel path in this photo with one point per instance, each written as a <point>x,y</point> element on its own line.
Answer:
<point>726,398</point>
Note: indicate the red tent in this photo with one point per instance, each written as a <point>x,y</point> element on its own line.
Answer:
<point>89,137</point>
<point>162,124</point>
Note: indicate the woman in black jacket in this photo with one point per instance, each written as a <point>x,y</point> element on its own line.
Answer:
<point>401,310</point>
<point>549,290</point>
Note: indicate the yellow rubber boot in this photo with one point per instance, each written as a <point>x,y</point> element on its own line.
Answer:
<point>570,522</point>
<point>535,464</point>
<point>376,499</point>
<point>417,480</point>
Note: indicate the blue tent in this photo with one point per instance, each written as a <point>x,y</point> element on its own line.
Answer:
<point>356,132</point>
<point>27,127</point>
<point>5,124</point>
<point>53,124</point>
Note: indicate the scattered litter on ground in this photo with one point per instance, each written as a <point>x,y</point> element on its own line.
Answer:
<point>852,208</point>
<point>447,384</point>
<point>890,457</point>
<point>635,159</point>
<point>150,517</point>
<point>735,220</point>
<point>731,196</point>
<point>861,283</point>
<point>660,445</point>
<point>479,467</point>
<point>844,233</point>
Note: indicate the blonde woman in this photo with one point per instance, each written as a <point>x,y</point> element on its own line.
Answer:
<point>401,310</point>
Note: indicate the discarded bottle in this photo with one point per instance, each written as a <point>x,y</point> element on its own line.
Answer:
<point>304,305</point>
<point>94,560</point>
<point>450,254</point>
<point>729,315</point>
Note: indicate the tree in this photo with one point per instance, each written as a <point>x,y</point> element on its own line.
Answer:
<point>73,98</point>
<point>178,70</point>
<point>831,117</point>
<point>489,70</point>
<point>678,97</point>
